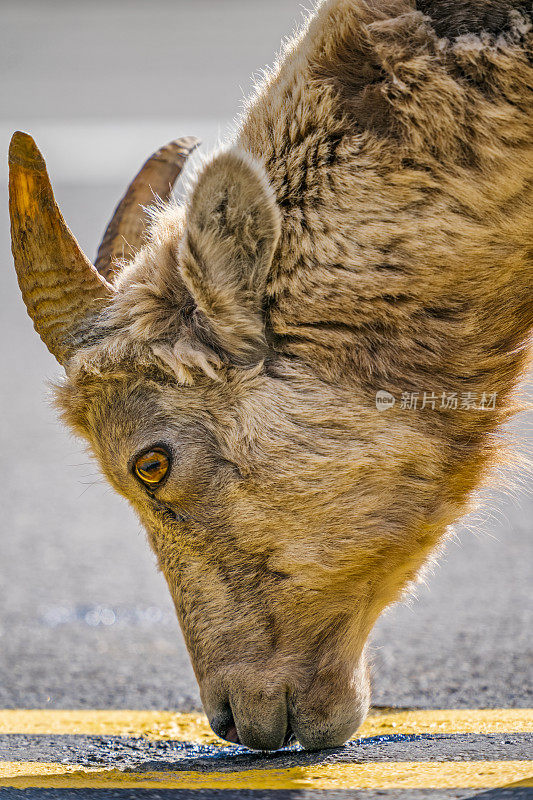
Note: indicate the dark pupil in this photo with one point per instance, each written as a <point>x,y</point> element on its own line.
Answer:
<point>152,467</point>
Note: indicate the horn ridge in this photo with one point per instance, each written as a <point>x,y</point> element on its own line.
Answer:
<point>59,285</point>
<point>126,230</point>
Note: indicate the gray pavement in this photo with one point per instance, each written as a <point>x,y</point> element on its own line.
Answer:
<point>85,618</point>
<point>140,756</point>
<point>144,756</point>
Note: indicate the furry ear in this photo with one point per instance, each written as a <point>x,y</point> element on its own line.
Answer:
<point>233,226</point>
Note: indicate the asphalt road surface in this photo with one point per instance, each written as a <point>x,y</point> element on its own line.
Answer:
<point>85,619</point>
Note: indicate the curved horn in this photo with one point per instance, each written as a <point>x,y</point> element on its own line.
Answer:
<point>155,179</point>
<point>60,287</point>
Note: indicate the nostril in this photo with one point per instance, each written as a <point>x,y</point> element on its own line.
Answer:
<point>289,736</point>
<point>224,726</point>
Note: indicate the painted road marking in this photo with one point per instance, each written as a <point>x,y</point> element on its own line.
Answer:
<point>442,749</point>
<point>150,724</point>
<point>195,728</point>
<point>398,775</point>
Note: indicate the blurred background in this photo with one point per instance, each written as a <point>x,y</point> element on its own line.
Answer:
<point>85,618</point>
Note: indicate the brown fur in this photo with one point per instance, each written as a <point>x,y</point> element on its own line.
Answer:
<point>370,228</point>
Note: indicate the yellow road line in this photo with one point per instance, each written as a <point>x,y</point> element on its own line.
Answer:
<point>489,720</point>
<point>398,775</point>
<point>195,728</point>
<point>150,724</point>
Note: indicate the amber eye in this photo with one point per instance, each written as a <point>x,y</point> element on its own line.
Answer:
<point>152,466</point>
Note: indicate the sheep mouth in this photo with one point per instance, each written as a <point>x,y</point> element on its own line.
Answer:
<point>229,733</point>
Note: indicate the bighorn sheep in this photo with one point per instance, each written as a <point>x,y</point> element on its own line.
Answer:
<point>368,229</point>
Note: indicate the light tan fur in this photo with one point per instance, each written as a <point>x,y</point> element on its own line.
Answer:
<point>369,228</point>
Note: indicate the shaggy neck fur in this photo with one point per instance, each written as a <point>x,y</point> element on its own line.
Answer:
<point>399,150</point>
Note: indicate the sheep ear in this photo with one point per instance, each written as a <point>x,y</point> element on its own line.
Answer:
<point>233,227</point>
